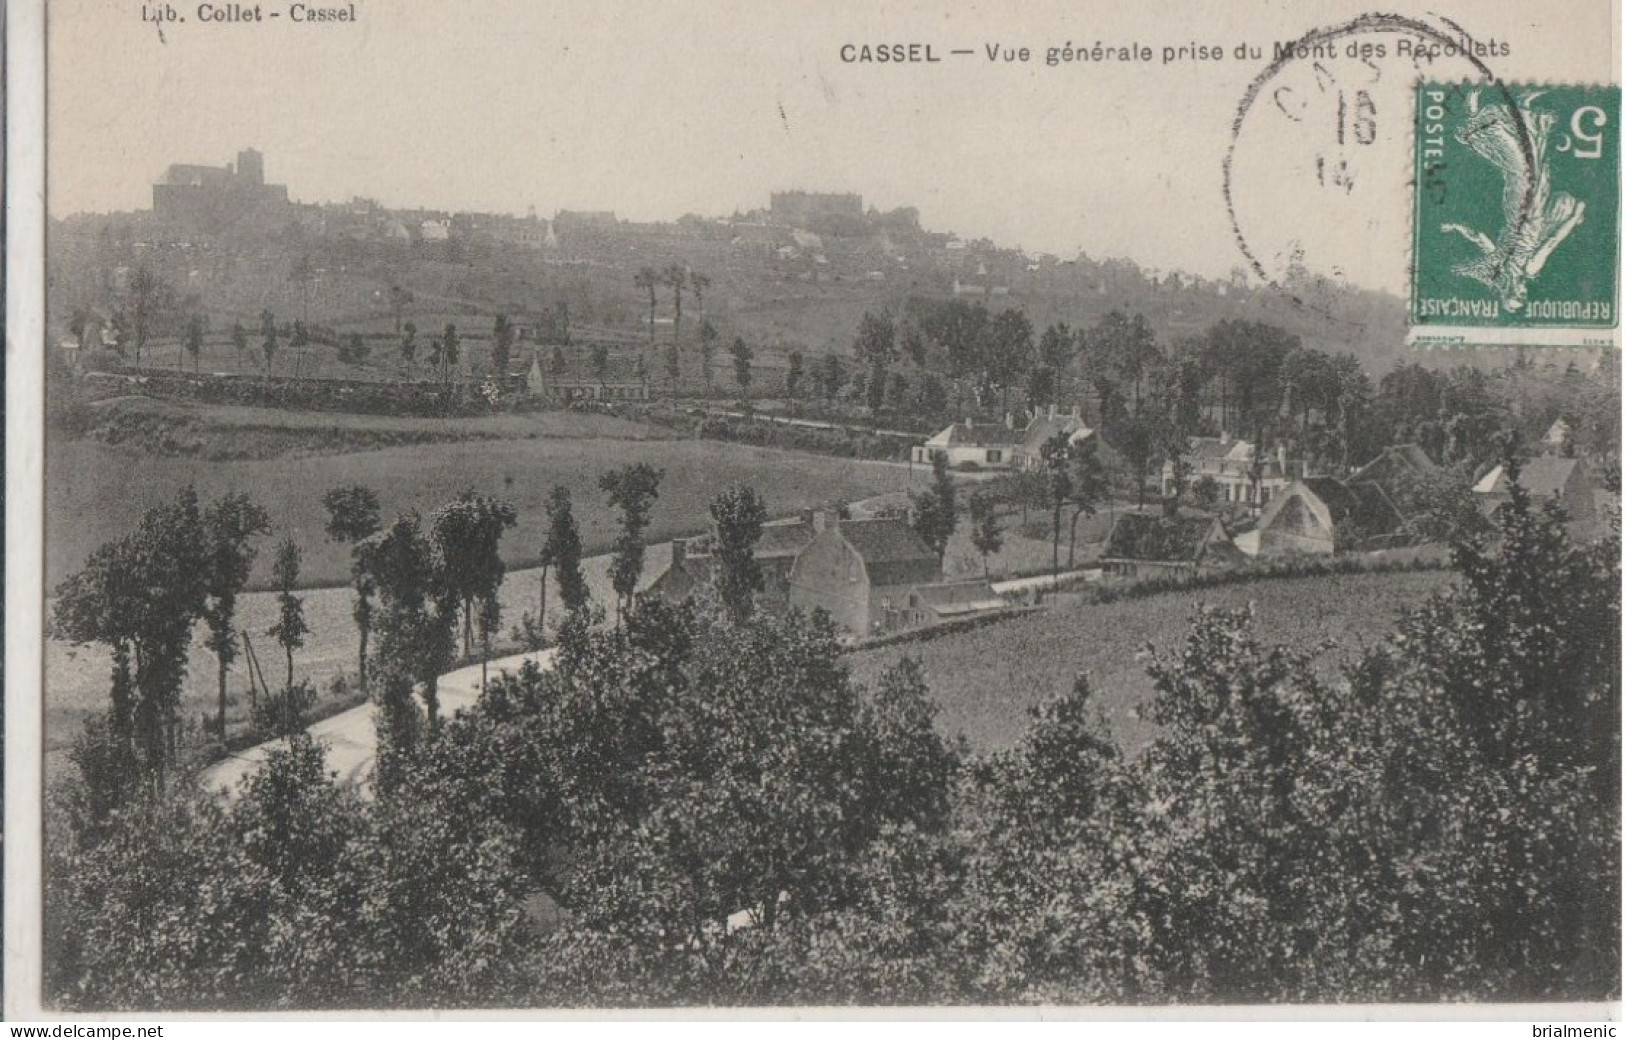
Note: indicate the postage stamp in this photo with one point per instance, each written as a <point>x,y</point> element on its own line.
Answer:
<point>1516,220</point>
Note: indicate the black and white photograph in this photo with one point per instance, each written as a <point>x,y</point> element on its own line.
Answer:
<point>780,506</point>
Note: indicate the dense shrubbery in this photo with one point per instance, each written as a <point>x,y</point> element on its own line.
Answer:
<point>1301,567</point>
<point>839,443</point>
<point>360,396</point>
<point>1440,822</point>
<point>180,436</point>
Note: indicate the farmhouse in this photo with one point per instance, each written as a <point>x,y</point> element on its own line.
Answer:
<point>1142,544</point>
<point>861,572</point>
<point>1242,474</point>
<point>1029,454</point>
<point>1324,515</point>
<point>692,565</point>
<point>973,445</point>
<point>1001,445</point>
<point>1547,478</point>
<point>620,380</point>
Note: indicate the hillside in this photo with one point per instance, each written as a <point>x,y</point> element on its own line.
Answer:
<point>777,287</point>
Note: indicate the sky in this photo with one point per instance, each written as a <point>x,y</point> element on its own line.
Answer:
<point>656,109</point>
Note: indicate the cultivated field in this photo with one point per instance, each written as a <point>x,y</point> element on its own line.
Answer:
<point>94,492</point>
<point>986,680</point>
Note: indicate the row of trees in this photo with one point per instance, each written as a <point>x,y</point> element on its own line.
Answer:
<point>712,811</point>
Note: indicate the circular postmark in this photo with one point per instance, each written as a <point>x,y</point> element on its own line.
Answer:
<point>1320,166</point>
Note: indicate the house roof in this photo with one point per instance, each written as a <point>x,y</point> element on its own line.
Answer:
<point>1406,456</point>
<point>891,552</point>
<point>977,435</point>
<point>1544,476</point>
<point>956,597</point>
<point>621,368</point>
<point>1362,502</point>
<point>785,539</point>
<point>1147,536</point>
<point>1042,428</point>
<point>1217,448</point>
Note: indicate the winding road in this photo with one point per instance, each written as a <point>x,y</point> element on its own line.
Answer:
<point>351,740</point>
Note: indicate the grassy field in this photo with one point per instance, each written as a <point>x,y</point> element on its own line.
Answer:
<point>94,492</point>
<point>986,680</point>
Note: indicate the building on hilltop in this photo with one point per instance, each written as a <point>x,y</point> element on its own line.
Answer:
<point>209,198</point>
<point>832,213</point>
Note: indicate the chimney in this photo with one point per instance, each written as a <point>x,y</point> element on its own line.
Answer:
<point>1009,420</point>
<point>820,519</point>
<point>1052,412</point>
<point>1280,457</point>
<point>1077,412</point>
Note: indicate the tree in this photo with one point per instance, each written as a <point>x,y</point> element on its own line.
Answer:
<point>354,350</point>
<point>501,346</point>
<point>299,341</point>
<point>742,355</point>
<point>648,278</point>
<point>933,512</point>
<point>1089,489</point>
<point>399,300</point>
<point>737,515</point>
<point>450,351</point>
<point>415,624</point>
<point>140,595</point>
<point>984,526</point>
<point>561,551</point>
<point>699,283</point>
<point>708,350</point>
<point>1056,348</point>
<point>600,361</point>
<point>409,346</point>
<point>352,518</point>
<point>239,342</point>
<point>674,366</point>
<point>1056,455</point>
<point>229,525</point>
<point>1009,352</point>
<point>793,374</point>
<point>676,277</point>
<point>875,345</point>
<point>290,628</point>
<point>632,489</point>
<point>151,297</point>
<point>194,340</point>
<point>268,337</point>
<point>467,533</point>
<point>557,364</point>
<point>831,377</point>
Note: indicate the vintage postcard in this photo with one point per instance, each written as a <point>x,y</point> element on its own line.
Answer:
<point>730,505</point>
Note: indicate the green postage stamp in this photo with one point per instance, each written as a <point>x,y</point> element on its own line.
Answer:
<point>1515,238</point>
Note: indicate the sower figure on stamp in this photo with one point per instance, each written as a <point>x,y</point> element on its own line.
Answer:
<point>1537,222</point>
